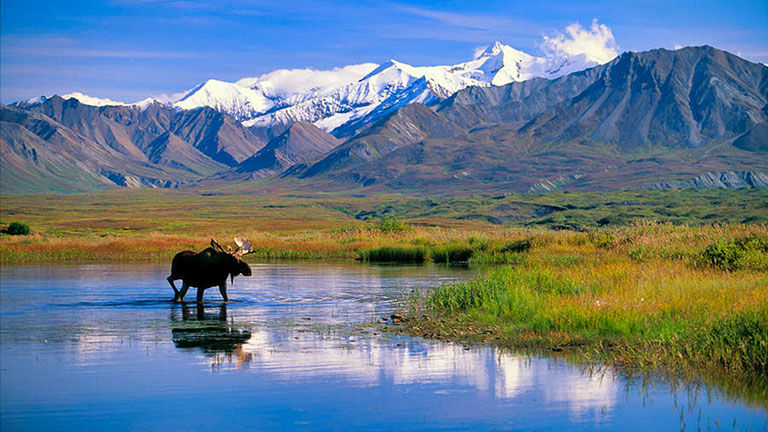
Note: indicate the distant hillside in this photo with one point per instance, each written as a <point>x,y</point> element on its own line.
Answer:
<point>301,142</point>
<point>640,118</point>
<point>643,119</point>
<point>63,145</point>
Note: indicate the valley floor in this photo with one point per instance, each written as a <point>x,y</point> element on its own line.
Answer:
<point>673,282</point>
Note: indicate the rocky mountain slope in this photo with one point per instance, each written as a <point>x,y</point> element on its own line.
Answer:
<point>361,93</point>
<point>110,146</point>
<point>655,117</point>
<point>656,113</point>
<point>300,143</point>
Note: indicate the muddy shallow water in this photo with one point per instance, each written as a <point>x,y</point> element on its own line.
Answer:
<point>101,346</point>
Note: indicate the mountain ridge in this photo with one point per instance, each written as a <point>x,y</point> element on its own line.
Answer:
<point>642,118</point>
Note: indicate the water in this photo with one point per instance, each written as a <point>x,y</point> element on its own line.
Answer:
<point>101,347</point>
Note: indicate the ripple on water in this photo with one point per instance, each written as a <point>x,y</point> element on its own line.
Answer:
<point>104,347</point>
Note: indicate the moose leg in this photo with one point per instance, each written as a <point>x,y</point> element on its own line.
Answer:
<point>175,291</point>
<point>223,291</point>
<point>200,292</point>
<point>180,297</point>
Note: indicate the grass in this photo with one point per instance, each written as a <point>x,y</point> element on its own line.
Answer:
<point>453,253</point>
<point>677,310</point>
<point>406,254</point>
<point>637,279</point>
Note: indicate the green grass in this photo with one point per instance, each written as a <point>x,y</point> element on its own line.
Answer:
<point>746,252</point>
<point>637,279</point>
<point>452,254</point>
<point>591,296</point>
<point>403,254</point>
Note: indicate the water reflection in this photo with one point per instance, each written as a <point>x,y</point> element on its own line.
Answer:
<point>111,352</point>
<point>303,354</point>
<point>192,328</point>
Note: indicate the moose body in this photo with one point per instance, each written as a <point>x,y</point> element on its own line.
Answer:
<point>207,269</point>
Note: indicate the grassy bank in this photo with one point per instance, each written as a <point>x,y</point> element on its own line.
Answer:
<point>651,297</point>
<point>148,225</point>
<point>640,280</point>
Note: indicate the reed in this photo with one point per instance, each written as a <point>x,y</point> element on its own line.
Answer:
<point>677,308</point>
<point>402,254</point>
<point>452,254</point>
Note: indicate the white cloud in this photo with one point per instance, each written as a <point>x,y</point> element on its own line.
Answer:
<point>90,100</point>
<point>285,82</point>
<point>596,44</point>
<point>479,50</point>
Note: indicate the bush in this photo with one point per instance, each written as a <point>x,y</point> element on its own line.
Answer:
<point>724,255</point>
<point>391,224</point>
<point>746,252</point>
<point>17,228</point>
<point>409,254</point>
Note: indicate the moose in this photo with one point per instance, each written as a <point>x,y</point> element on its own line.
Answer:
<point>208,268</point>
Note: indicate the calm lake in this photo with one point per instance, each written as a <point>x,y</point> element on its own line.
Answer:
<point>101,347</point>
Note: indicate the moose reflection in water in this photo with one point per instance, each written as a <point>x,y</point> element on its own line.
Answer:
<point>208,268</point>
<point>209,332</point>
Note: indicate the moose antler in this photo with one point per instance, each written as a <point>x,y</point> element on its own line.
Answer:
<point>243,247</point>
<point>216,245</point>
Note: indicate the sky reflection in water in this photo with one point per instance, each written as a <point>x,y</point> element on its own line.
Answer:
<point>101,346</point>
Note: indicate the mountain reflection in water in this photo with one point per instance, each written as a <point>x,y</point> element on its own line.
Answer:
<point>104,348</point>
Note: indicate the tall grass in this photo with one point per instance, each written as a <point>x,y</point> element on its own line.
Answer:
<point>406,254</point>
<point>589,293</point>
<point>452,254</point>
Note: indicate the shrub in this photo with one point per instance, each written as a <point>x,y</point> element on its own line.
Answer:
<point>724,255</point>
<point>17,228</point>
<point>745,252</point>
<point>410,254</point>
<point>391,224</point>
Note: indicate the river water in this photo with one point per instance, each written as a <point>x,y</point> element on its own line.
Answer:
<point>101,347</point>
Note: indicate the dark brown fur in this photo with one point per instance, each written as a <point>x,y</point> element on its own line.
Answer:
<point>204,270</point>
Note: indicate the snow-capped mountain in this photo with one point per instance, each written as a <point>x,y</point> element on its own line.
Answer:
<point>394,84</point>
<point>236,100</point>
<point>357,94</point>
<point>82,98</point>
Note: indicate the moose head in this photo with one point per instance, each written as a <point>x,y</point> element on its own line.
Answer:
<point>235,263</point>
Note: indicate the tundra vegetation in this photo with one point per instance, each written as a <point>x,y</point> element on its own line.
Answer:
<point>17,228</point>
<point>672,282</point>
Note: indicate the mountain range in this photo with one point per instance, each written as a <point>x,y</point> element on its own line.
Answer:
<point>504,121</point>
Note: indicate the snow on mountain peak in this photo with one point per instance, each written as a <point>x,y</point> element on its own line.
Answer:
<point>332,98</point>
<point>491,50</point>
<point>238,101</point>
<point>90,100</point>
<point>393,84</point>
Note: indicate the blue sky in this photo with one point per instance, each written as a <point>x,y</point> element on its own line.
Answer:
<point>130,49</point>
